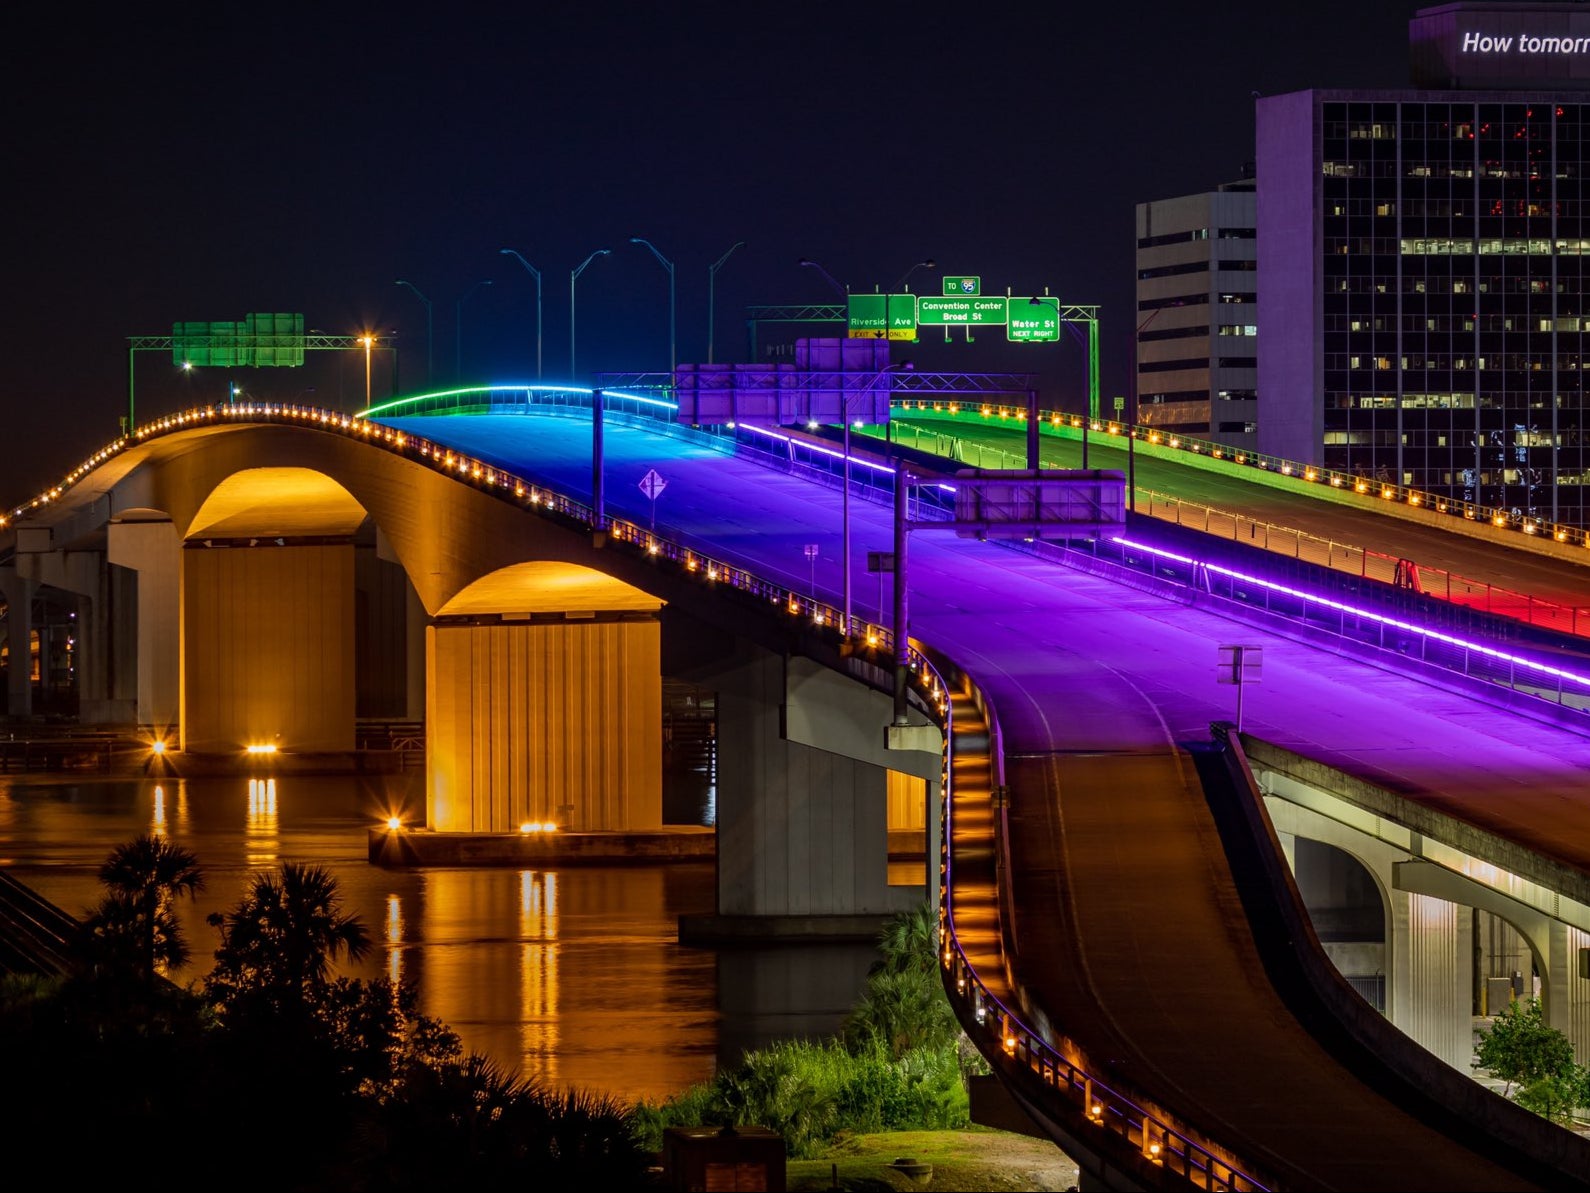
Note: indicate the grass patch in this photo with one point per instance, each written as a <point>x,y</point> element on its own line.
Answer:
<point>973,1160</point>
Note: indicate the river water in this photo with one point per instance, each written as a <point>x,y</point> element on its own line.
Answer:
<point>572,976</point>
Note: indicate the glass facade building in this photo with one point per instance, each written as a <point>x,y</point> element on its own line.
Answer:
<point>1424,263</point>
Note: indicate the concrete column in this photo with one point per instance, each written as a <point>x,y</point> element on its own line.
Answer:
<point>1429,991</point>
<point>544,721</point>
<point>18,592</point>
<point>803,783</point>
<point>154,551</point>
<point>267,648</point>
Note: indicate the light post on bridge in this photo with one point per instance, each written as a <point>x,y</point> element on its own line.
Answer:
<point>573,277</point>
<point>845,507</point>
<point>673,353</point>
<point>430,330</point>
<point>535,273</point>
<point>712,274</point>
<point>1131,430</point>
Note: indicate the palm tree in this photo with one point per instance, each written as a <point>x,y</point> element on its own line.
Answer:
<point>145,877</point>
<point>285,935</point>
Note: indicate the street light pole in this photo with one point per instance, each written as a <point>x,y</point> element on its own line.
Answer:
<point>1131,431</point>
<point>673,355</point>
<point>899,287</point>
<point>368,341</point>
<point>458,329</point>
<point>845,506</point>
<point>535,273</point>
<point>430,330</point>
<point>842,291</point>
<point>712,273</point>
<point>574,274</point>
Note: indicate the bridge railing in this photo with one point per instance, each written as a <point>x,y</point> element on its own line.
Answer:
<point>1528,524</point>
<point>1070,1087</point>
<point>1298,544</point>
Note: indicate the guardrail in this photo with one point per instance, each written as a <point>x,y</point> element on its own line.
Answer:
<point>1001,1033</point>
<point>1502,518</point>
<point>1287,540</point>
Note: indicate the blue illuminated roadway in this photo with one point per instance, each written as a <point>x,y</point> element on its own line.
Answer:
<point>1122,940</point>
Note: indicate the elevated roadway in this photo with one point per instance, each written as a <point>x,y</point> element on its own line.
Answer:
<point>1127,925</point>
<point>1469,560</point>
<point>1113,911</point>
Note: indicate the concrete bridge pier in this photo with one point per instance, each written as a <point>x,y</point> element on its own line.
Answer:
<point>805,788</point>
<point>538,717</point>
<point>152,550</point>
<point>1554,946</point>
<point>95,594</point>
<point>1424,947</point>
<point>267,645</point>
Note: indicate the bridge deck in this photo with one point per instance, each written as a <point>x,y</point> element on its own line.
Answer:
<point>1128,922</point>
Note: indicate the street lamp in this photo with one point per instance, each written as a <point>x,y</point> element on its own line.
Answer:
<point>458,328</point>
<point>899,287</point>
<point>573,274</point>
<point>535,273</point>
<point>430,329</point>
<point>712,273</point>
<point>368,341</point>
<point>673,356</point>
<point>1131,431</point>
<point>842,291</point>
<point>845,506</point>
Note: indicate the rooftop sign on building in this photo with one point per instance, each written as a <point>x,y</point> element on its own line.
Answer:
<point>1501,47</point>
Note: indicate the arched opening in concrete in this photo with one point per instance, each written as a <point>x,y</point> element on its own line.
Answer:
<point>1350,913</point>
<point>544,704</point>
<point>268,619</point>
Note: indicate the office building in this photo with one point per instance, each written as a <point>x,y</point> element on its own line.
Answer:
<point>1195,348</point>
<point>1424,266</point>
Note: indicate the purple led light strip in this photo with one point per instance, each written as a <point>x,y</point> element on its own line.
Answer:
<point>1326,602</point>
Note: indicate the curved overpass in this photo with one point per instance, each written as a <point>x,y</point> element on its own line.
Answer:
<point>1097,895</point>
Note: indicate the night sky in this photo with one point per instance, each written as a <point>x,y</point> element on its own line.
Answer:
<point>202,165</point>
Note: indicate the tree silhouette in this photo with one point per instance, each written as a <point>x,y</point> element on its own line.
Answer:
<point>280,943</point>
<point>136,923</point>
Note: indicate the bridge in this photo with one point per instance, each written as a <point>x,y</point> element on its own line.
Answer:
<point>1122,936</point>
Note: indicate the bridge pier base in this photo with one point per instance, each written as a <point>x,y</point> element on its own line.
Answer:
<point>153,551</point>
<point>550,720</point>
<point>805,788</point>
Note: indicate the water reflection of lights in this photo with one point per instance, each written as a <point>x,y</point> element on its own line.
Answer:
<point>538,928</point>
<point>394,939</point>
<point>260,831</point>
<point>157,820</point>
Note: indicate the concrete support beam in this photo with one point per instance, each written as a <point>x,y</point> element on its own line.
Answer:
<point>267,648</point>
<point>544,721</point>
<point>154,551</point>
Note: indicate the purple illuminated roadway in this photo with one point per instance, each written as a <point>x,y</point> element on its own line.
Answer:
<point>1130,933</point>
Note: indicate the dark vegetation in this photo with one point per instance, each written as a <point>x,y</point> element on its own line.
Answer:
<point>273,1072</point>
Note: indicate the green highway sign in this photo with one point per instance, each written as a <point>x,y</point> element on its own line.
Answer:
<point>883,316</point>
<point>949,312</point>
<point>962,287</point>
<point>1033,320</point>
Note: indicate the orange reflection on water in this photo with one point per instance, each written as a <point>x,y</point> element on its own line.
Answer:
<point>538,978</point>
<point>157,821</point>
<point>261,828</point>
<point>394,939</point>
